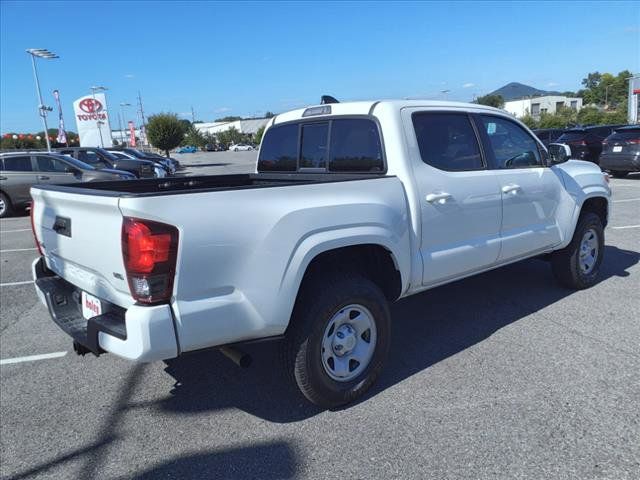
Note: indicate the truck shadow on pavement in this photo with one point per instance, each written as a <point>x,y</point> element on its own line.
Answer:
<point>427,328</point>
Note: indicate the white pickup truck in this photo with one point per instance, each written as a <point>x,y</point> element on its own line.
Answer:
<point>353,205</point>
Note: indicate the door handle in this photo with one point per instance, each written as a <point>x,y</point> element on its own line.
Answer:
<point>43,177</point>
<point>513,189</point>
<point>440,197</point>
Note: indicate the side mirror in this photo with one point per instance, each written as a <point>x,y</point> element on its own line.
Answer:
<point>559,153</point>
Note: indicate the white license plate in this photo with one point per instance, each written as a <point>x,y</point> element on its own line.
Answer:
<point>617,149</point>
<point>91,306</point>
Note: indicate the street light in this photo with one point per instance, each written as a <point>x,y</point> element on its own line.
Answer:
<point>95,89</point>
<point>42,109</point>
<point>444,93</point>
<point>122,121</point>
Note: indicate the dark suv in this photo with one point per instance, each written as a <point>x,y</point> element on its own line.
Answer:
<point>100,158</point>
<point>621,151</point>
<point>548,135</point>
<point>20,170</point>
<point>586,142</point>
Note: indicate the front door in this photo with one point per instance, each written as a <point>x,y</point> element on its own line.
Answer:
<point>459,196</point>
<point>531,191</point>
<point>54,171</point>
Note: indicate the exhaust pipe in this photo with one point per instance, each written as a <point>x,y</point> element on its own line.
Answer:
<point>237,356</point>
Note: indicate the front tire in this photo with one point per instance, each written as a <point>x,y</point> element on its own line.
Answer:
<point>5,206</point>
<point>338,339</point>
<point>577,265</point>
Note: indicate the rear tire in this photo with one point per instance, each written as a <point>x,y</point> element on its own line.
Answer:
<point>619,174</point>
<point>577,265</point>
<point>5,206</point>
<point>324,364</point>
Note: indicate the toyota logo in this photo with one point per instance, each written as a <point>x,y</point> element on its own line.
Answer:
<point>90,105</point>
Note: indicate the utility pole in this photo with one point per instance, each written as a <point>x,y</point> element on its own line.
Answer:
<point>193,115</point>
<point>143,126</point>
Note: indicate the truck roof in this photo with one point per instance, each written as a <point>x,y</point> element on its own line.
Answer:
<point>368,107</point>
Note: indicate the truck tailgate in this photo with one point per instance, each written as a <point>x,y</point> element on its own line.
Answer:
<point>80,236</point>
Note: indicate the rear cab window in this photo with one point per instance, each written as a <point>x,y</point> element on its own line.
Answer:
<point>345,145</point>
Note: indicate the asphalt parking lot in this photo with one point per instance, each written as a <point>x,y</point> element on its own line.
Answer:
<point>503,375</point>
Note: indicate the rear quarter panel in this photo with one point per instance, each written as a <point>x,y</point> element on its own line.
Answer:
<point>243,253</point>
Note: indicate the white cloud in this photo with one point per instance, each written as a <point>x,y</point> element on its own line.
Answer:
<point>552,84</point>
<point>129,75</point>
<point>222,109</point>
<point>468,85</point>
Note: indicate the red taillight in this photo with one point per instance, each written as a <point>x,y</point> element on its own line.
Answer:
<point>634,141</point>
<point>149,250</point>
<point>33,228</point>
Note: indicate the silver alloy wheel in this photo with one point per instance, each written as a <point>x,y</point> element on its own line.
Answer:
<point>588,253</point>
<point>3,206</point>
<point>348,343</point>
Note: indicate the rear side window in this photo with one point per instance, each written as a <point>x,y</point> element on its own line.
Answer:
<point>17,164</point>
<point>510,144</point>
<point>355,146</point>
<point>447,141</point>
<point>626,134</point>
<point>279,151</point>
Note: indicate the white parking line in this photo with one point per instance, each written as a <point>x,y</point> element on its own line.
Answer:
<point>18,250</point>
<point>20,230</point>
<point>626,185</point>
<point>11,284</point>
<point>32,358</point>
<point>626,226</point>
<point>627,200</point>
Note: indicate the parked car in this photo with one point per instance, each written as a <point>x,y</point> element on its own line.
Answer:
<point>100,158</point>
<point>213,147</point>
<point>548,135</point>
<point>170,164</point>
<point>240,147</point>
<point>621,151</point>
<point>586,142</point>
<point>188,149</point>
<point>19,171</point>
<point>335,224</point>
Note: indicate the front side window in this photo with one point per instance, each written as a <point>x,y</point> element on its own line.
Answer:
<point>279,151</point>
<point>17,164</point>
<point>315,137</point>
<point>510,145</point>
<point>447,141</point>
<point>49,164</point>
<point>355,146</point>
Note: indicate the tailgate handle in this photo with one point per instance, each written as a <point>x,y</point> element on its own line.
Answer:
<point>62,226</point>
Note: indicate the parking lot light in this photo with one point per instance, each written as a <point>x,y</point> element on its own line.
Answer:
<point>42,108</point>
<point>95,89</point>
<point>123,121</point>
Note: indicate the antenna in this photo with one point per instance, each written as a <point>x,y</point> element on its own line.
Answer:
<point>325,99</point>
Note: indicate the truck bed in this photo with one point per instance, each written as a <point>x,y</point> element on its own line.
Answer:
<point>208,183</point>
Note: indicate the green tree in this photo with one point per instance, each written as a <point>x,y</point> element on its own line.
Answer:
<point>590,116</point>
<point>259,134</point>
<point>229,137</point>
<point>491,101</point>
<point>228,119</point>
<point>165,131</point>
<point>194,137</point>
<point>269,114</point>
<point>529,121</point>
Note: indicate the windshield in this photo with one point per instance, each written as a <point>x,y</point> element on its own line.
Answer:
<point>136,152</point>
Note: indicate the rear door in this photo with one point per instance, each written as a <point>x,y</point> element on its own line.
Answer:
<point>51,170</point>
<point>16,177</point>
<point>531,191</point>
<point>460,197</point>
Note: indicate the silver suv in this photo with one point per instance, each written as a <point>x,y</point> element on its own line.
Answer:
<point>20,170</point>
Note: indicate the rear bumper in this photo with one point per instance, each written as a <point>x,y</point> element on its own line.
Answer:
<point>620,161</point>
<point>139,333</point>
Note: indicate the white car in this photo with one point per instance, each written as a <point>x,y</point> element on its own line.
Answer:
<point>353,205</point>
<point>241,147</point>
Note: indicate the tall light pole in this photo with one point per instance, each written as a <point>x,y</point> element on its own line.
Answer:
<point>99,122</point>
<point>444,93</point>
<point>124,121</point>
<point>42,108</point>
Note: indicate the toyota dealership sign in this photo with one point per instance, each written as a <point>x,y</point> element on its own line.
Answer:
<point>93,121</point>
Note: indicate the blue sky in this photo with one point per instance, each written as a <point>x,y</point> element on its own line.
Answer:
<point>246,58</point>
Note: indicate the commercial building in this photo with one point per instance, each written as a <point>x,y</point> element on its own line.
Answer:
<point>536,106</point>
<point>246,127</point>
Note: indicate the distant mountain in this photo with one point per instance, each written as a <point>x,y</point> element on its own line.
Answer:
<point>516,91</point>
